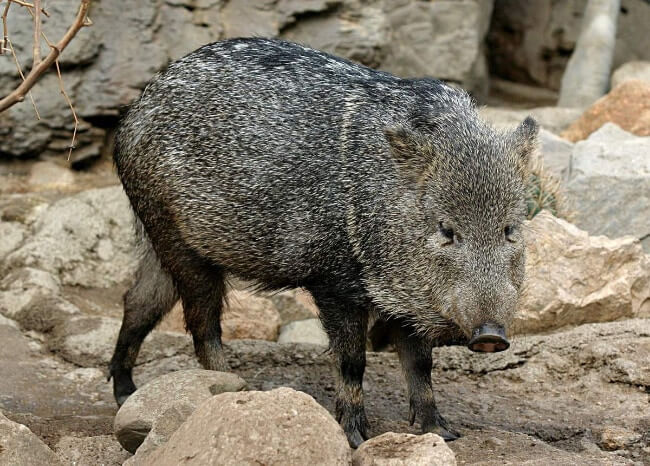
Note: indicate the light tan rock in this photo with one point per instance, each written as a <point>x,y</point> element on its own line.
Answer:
<point>617,438</point>
<point>168,400</point>
<point>278,427</point>
<point>574,278</point>
<point>20,446</point>
<point>248,316</point>
<point>393,449</point>
<point>627,105</point>
<point>48,175</point>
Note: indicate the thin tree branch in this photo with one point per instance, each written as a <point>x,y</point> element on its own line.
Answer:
<point>37,33</point>
<point>5,31</point>
<point>20,72</point>
<point>67,99</point>
<point>18,94</point>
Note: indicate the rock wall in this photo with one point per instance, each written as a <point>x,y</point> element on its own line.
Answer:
<point>108,64</point>
<point>531,42</point>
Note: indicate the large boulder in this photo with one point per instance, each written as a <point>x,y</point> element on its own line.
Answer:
<point>392,449</point>
<point>609,184</point>
<point>627,106</point>
<point>165,402</point>
<point>19,446</point>
<point>574,278</point>
<point>278,427</point>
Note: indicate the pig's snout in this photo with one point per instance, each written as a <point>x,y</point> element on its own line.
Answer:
<point>488,338</point>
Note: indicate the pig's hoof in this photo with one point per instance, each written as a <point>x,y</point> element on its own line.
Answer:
<point>447,434</point>
<point>355,426</point>
<point>123,387</point>
<point>439,426</point>
<point>355,439</point>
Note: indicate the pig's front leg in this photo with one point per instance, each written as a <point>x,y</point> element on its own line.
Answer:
<point>346,326</point>
<point>415,356</point>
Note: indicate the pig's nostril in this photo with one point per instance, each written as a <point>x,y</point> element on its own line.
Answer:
<point>488,338</point>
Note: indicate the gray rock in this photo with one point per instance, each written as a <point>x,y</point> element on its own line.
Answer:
<point>631,70</point>
<point>19,446</point>
<point>304,331</point>
<point>89,341</point>
<point>12,234</point>
<point>609,184</point>
<point>553,119</point>
<point>108,64</point>
<point>281,426</point>
<point>85,239</point>
<point>32,297</point>
<point>91,451</point>
<point>392,449</point>
<point>556,153</point>
<point>165,402</point>
<point>440,39</point>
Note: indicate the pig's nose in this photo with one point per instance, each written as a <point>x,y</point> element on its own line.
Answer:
<point>488,338</point>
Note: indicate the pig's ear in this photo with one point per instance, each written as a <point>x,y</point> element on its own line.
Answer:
<point>526,143</point>
<point>412,153</point>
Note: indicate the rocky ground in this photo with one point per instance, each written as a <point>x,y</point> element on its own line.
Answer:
<point>575,396</point>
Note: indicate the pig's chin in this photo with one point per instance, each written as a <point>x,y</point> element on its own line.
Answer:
<point>445,332</point>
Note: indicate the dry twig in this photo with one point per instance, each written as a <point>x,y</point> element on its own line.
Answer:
<point>81,20</point>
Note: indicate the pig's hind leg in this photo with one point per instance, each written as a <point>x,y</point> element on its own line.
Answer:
<point>202,288</point>
<point>415,357</point>
<point>152,296</point>
<point>346,326</point>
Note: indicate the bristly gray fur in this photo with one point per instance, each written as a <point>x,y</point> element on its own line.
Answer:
<point>291,167</point>
<point>271,160</point>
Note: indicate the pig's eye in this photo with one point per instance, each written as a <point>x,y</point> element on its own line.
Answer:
<point>446,232</point>
<point>508,231</point>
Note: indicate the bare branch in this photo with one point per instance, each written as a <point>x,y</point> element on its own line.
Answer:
<point>20,72</point>
<point>5,31</point>
<point>18,94</point>
<point>74,114</point>
<point>37,33</point>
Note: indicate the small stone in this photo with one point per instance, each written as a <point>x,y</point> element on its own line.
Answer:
<point>616,438</point>
<point>304,331</point>
<point>176,394</point>
<point>393,449</point>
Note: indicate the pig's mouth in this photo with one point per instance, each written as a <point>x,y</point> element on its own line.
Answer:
<point>488,338</point>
